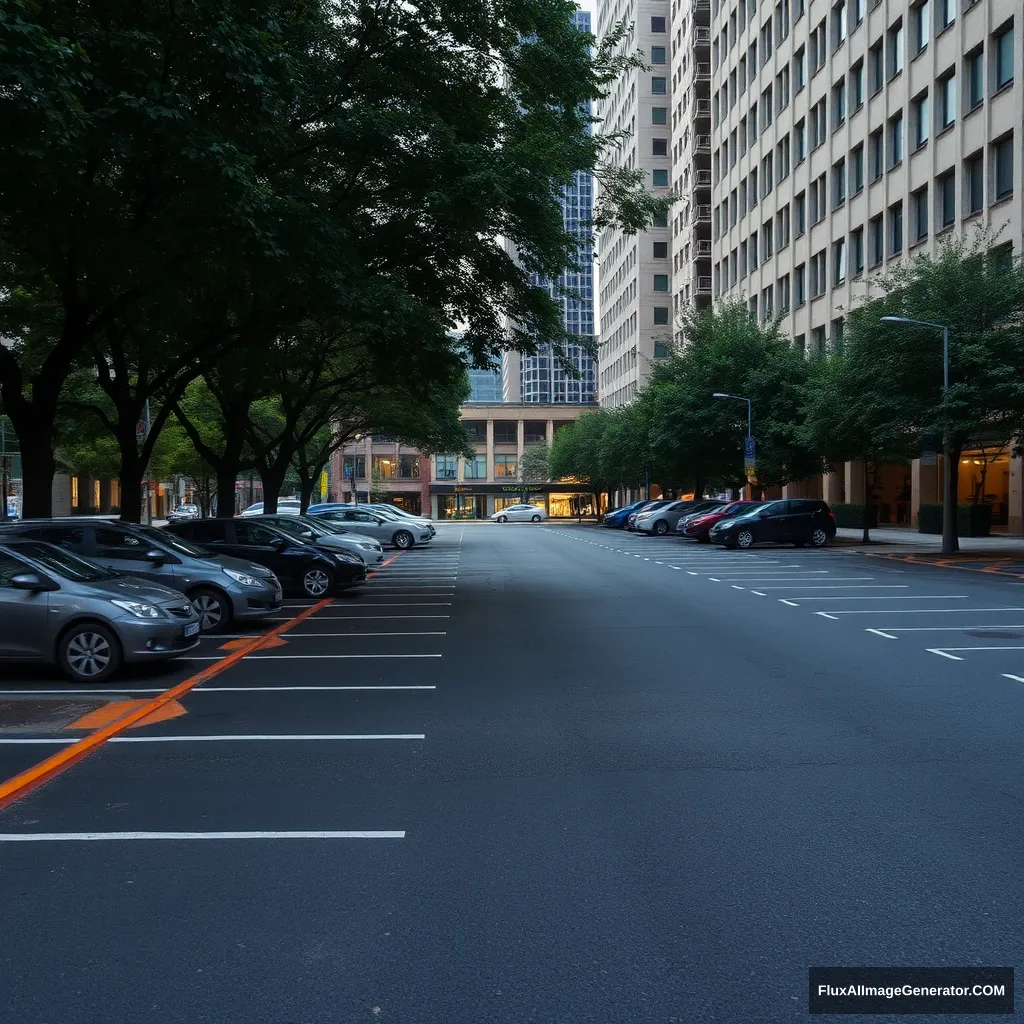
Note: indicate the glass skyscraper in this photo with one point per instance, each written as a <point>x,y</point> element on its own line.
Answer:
<point>541,378</point>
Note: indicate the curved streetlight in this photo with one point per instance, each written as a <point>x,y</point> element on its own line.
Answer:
<point>750,438</point>
<point>950,545</point>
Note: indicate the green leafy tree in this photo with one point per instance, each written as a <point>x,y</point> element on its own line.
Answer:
<point>576,452</point>
<point>533,466</point>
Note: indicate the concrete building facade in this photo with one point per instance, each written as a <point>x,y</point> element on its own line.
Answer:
<point>636,270</point>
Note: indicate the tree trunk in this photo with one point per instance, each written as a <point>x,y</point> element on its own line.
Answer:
<point>866,536</point>
<point>273,480</point>
<point>38,467</point>
<point>131,472</point>
<point>951,545</point>
<point>305,493</point>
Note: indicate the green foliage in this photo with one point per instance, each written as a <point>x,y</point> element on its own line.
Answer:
<point>851,516</point>
<point>533,466</point>
<point>972,520</point>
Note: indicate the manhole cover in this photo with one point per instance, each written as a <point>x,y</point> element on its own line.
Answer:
<point>39,714</point>
<point>995,634</point>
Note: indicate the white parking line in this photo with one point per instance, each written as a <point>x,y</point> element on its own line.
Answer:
<point>758,578</point>
<point>734,587</point>
<point>920,611</point>
<point>936,650</point>
<point>881,632</point>
<point>1016,679</point>
<point>953,629</point>
<point>856,586</point>
<point>759,594</point>
<point>259,738</point>
<point>94,837</point>
<point>890,597</point>
<point>1007,647</point>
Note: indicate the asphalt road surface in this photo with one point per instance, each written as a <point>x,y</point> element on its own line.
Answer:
<point>549,774</point>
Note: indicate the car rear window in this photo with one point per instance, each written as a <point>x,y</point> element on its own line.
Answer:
<point>62,536</point>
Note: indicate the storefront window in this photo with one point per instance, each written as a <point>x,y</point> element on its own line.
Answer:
<point>504,501</point>
<point>566,506</point>
<point>461,506</point>
<point>406,501</point>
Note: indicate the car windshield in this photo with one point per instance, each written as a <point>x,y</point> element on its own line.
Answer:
<point>173,541</point>
<point>62,562</point>
<point>295,527</point>
<point>736,508</point>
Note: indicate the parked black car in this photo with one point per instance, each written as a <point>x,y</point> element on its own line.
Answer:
<point>796,521</point>
<point>299,566</point>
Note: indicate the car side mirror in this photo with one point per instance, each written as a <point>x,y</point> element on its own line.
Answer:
<point>280,544</point>
<point>156,556</point>
<point>31,581</point>
<point>763,515</point>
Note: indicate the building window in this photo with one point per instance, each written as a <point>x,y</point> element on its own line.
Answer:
<point>876,144</point>
<point>1004,58</point>
<point>659,147</point>
<point>767,175</point>
<point>800,69</point>
<point>947,101</point>
<point>752,250</point>
<point>385,466</point>
<point>660,316</point>
<point>877,239</point>
<point>947,12</point>
<point>767,241</point>
<point>743,259</point>
<point>661,350</point>
<point>919,205</point>
<point>858,11</point>
<point>475,468</point>
<point>408,467</point>
<point>782,226</point>
<point>658,24</point>
<point>976,79</point>
<point>839,183</point>
<point>838,104</point>
<point>895,35</point>
<point>818,201</point>
<point>658,86</point>
<point>819,341</point>
<point>819,124</point>
<point>857,168</point>
<point>818,272</point>
<point>800,285</point>
<point>896,228</point>
<point>782,159</point>
<point>659,178</point>
<point>920,109</point>
<point>876,67</point>
<point>800,214</point>
<point>838,24</point>
<point>800,141</point>
<point>974,179</point>
<point>659,115</point>
<point>661,282</point>
<point>446,467</point>
<point>657,54</point>
<point>660,219</point>
<point>857,250</point>
<point>945,190</point>
<point>766,303</point>
<point>660,250</point>
<point>354,467</point>
<point>783,290</point>
<point>895,140</point>
<point>857,84</point>
<point>1002,159</point>
<point>505,466</point>
<point>839,262</point>
<point>921,18</point>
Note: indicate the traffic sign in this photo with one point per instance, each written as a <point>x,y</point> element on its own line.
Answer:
<point>749,455</point>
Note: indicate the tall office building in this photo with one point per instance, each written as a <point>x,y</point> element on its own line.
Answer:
<point>854,133</point>
<point>542,377</point>
<point>635,270</point>
<point>484,386</point>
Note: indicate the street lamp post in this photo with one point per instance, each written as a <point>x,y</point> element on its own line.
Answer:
<point>748,447</point>
<point>950,544</point>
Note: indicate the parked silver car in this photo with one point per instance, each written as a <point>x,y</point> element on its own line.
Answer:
<point>664,519</point>
<point>519,514</point>
<point>325,534</point>
<point>56,607</point>
<point>222,588</point>
<point>399,532</point>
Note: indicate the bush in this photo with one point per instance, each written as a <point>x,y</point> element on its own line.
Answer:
<point>971,520</point>
<point>852,516</point>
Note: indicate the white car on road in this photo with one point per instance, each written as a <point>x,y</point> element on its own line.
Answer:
<point>519,514</point>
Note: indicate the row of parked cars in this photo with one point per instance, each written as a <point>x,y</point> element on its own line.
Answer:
<point>799,521</point>
<point>93,594</point>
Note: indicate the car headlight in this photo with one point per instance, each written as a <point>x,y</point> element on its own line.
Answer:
<point>140,609</point>
<point>369,547</point>
<point>346,558</point>
<point>244,578</point>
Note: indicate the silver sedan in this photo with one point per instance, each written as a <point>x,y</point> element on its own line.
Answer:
<point>401,533</point>
<point>519,514</point>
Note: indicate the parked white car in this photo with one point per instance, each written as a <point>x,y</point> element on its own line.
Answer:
<point>519,514</point>
<point>285,507</point>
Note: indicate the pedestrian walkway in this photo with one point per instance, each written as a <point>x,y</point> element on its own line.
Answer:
<point>909,538</point>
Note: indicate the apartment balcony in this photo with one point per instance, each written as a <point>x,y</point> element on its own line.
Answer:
<point>702,285</point>
<point>702,214</point>
<point>702,250</point>
<point>702,144</point>
<point>700,36</point>
<point>703,72</point>
<point>702,179</point>
<point>701,108</point>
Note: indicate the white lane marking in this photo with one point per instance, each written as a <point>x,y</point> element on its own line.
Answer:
<point>93,837</point>
<point>825,615</point>
<point>260,738</point>
<point>785,572</point>
<point>882,632</point>
<point>675,566</point>
<point>857,586</point>
<point>759,594</point>
<point>734,587</point>
<point>936,650</point>
<point>758,578</point>
<point>690,572</point>
<point>949,629</point>
<point>889,597</point>
<point>1016,679</point>
<point>315,657</point>
<point>1002,647</point>
<point>792,604</point>
<point>656,562</point>
<point>921,611</point>
<point>712,579</point>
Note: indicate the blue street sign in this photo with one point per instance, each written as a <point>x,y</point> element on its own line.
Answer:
<point>749,454</point>
<point>348,472</point>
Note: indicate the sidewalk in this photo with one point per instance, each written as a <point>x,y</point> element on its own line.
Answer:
<point>908,539</point>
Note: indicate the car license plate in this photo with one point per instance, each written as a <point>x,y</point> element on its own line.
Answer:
<point>191,629</point>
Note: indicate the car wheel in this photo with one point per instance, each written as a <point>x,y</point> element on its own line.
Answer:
<point>819,538</point>
<point>534,519</point>
<point>317,582</point>
<point>212,608</point>
<point>502,519</point>
<point>745,538</point>
<point>661,527</point>
<point>89,652</point>
<point>403,540</point>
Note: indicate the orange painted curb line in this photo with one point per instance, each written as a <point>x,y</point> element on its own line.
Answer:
<point>32,778</point>
<point>386,561</point>
<point>949,564</point>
